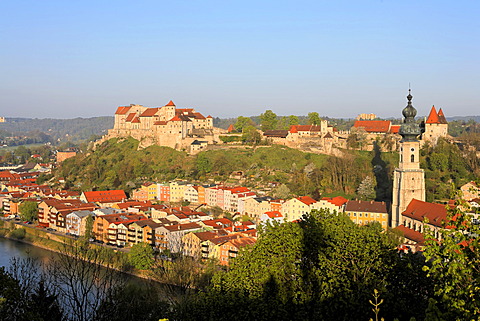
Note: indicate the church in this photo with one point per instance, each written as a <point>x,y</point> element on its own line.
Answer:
<point>409,208</point>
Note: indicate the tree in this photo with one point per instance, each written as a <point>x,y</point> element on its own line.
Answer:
<point>28,211</point>
<point>243,122</point>
<point>293,120</point>
<point>282,191</point>
<point>318,268</point>
<point>251,135</point>
<point>141,256</point>
<point>313,118</point>
<point>268,120</point>
<point>454,254</point>
<point>366,189</point>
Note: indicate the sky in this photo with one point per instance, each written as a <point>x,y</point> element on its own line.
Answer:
<point>68,59</point>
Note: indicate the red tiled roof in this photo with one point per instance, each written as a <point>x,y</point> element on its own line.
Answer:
<point>198,116</point>
<point>209,116</point>
<point>394,129</point>
<point>328,135</point>
<point>306,200</point>
<point>337,200</point>
<point>136,120</point>
<point>170,103</point>
<point>149,112</point>
<point>183,227</point>
<point>304,128</point>
<point>433,117</point>
<point>273,214</point>
<point>160,122</point>
<point>373,126</point>
<point>242,241</point>
<point>441,117</point>
<point>122,110</point>
<point>231,128</point>
<point>419,210</point>
<point>130,117</point>
<point>105,196</point>
<point>411,234</point>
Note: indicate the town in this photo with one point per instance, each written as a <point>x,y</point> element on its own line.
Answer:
<point>213,221</point>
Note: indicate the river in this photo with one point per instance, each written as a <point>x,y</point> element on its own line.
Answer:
<point>12,249</point>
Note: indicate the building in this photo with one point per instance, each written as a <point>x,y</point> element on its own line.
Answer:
<point>61,156</point>
<point>408,178</point>
<point>104,198</point>
<point>436,126</point>
<point>470,191</point>
<point>229,249</point>
<point>364,212</point>
<point>295,208</point>
<point>167,126</point>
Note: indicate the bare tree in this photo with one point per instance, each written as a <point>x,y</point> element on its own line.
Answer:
<point>83,277</point>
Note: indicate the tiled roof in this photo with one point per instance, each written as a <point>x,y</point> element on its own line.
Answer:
<point>203,236</point>
<point>130,117</point>
<point>276,133</point>
<point>366,206</point>
<point>373,126</point>
<point>394,129</point>
<point>337,200</point>
<point>230,128</point>
<point>183,227</point>
<point>273,214</point>
<point>242,241</point>
<point>419,210</point>
<point>433,117</point>
<point>328,135</point>
<point>149,112</point>
<point>304,128</point>
<point>160,122</point>
<point>441,117</point>
<point>105,196</point>
<point>170,103</point>
<point>136,120</point>
<point>306,200</point>
<point>122,110</point>
<point>410,234</point>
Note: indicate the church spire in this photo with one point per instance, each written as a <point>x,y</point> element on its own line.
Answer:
<point>409,129</point>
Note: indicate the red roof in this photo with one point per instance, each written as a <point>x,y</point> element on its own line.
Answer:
<point>394,129</point>
<point>418,210</point>
<point>433,117</point>
<point>337,200</point>
<point>306,200</point>
<point>293,129</point>
<point>273,214</point>
<point>149,112</point>
<point>441,117</point>
<point>130,117</point>
<point>170,103</point>
<point>305,128</point>
<point>231,128</point>
<point>176,118</point>
<point>373,126</point>
<point>411,234</point>
<point>160,122</point>
<point>105,196</point>
<point>122,110</point>
<point>136,120</point>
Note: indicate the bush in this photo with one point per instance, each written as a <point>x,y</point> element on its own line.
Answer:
<point>18,233</point>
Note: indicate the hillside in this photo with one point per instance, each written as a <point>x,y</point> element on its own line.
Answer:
<point>119,164</point>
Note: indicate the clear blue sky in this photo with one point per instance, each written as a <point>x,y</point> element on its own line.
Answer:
<point>66,59</point>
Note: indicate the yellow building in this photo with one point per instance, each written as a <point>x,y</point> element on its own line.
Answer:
<point>364,212</point>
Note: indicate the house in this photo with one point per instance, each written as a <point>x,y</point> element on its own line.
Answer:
<point>104,198</point>
<point>173,234</point>
<point>192,242</point>
<point>63,155</point>
<point>470,191</point>
<point>106,227</point>
<point>211,247</point>
<point>416,216</point>
<point>295,208</point>
<point>333,204</point>
<point>270,217</point>
<point>53,212</point>
<point>229,249</point>
<point>143,231</point>
<point>191,194</point>
<point>76,222</point>
<point>364,212</point>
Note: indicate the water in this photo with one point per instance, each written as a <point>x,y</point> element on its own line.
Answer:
<point>12,249</point>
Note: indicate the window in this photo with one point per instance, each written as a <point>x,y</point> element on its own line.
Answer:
<point>412,158</point>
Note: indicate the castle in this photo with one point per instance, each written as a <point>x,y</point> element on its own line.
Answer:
<point>178,128</point>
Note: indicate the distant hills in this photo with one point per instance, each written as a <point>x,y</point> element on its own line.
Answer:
<point>59,130</point>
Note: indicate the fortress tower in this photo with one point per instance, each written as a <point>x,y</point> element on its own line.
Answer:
<point>408,178</point>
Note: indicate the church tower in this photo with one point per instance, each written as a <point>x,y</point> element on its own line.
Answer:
<point>408,178</point>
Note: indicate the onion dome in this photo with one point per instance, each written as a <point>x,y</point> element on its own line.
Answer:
<point>410,131</point>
